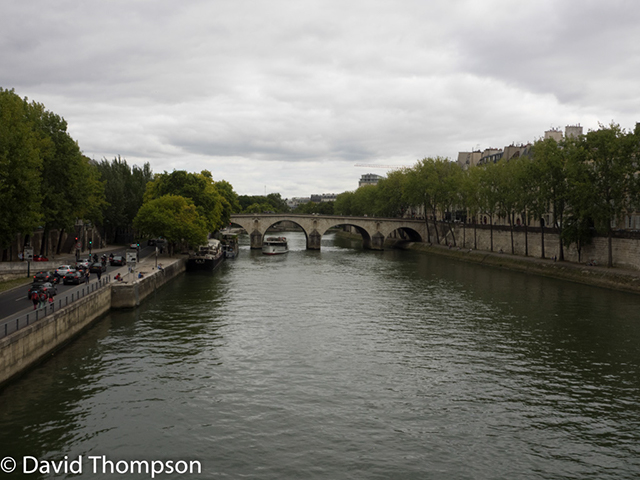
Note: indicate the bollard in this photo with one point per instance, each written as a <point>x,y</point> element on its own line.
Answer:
<point>27,319</point>
<point>6,326</point>
<point>17,324</point>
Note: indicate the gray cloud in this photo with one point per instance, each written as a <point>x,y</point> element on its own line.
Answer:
<point>292,94</point>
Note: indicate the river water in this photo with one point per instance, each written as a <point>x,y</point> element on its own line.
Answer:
<point>344,364</point>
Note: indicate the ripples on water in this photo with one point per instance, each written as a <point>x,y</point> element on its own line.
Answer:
<point>349,364</point>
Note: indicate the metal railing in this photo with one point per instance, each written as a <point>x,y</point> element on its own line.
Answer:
<point>12,325</point>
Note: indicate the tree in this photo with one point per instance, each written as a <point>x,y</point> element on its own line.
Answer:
<point>200,188</point>
<point>124,192</point>
<point>343,203</point>
<point>610,162</point>
<point>391,198</point>
<point>274,200</point>
<point>258,208</point>
<point>488,192</point>
<point>173,217</point>
<point>20,168</point>
<point>418,190</point>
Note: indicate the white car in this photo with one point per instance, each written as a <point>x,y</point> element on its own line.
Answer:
<point>62,270</point>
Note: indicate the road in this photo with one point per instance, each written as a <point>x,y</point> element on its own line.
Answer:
<point>15,302</point>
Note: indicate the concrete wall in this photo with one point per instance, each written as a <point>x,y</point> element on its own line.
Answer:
<point>626,251</point>
<point>31,344</point>
<point>129,295</point>
<point>11,270</point>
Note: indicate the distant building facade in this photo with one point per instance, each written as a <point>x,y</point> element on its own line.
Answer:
<point>369,179</point>
<point>295,201</point>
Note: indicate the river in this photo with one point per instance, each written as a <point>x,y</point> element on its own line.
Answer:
<point>343,364</point>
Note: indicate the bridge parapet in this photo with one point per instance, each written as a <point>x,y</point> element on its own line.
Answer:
<point>374,230</point>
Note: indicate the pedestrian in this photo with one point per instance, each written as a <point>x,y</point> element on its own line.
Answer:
<point>86,277</point>
<point>51,302</point>
<point>35,298</point>
<point>99,274</point>
<point>43,299</point>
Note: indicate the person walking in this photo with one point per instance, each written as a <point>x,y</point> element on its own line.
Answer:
<point>99,274</point>
<point>50,300</point>
<point>43,300</point>
<point>86,277</point>
<point>35,298</point>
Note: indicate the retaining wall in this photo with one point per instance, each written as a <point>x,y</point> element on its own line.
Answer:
<point>129,295</point>
<point>31,344</point>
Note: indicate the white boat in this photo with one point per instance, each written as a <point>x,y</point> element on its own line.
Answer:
<point>275,246</point>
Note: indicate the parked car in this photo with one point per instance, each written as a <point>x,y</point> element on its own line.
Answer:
<point>41,277</point>
<point>46,287</point>
<point>40,258</point>
<point>97,267</point>
<point>134,246</point>
<point>118,260</point>
<point>62,270</point>
<point>73,277</point>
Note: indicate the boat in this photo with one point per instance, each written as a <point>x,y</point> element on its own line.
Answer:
<point>207,257</point>
<point>275,246</point>
<point>230,245</point>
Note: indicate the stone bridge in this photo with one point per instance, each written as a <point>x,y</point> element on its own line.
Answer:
<point>374,231</point>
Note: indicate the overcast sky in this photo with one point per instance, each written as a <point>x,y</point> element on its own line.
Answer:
<point>289,95</point>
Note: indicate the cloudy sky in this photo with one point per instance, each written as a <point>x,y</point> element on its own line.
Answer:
<point>289,95</point>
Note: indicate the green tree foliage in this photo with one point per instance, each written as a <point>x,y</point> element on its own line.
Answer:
<point>258,208</point>
<point>70,186</point>
<point>610,161</point>
<point>342,205</point>
<point>20,169</point>
<point>391,199</point>
<point>125,186</point>
<point>173,217</point>
<point>321,208</point>
<point>199,188</point>
<point>52,184</point>
<point>273,200</point>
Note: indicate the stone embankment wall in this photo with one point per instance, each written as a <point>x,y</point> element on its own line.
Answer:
<point>626,251</point>
<point>129,295</point>
<point>31,344</point>
<point>12,270</point>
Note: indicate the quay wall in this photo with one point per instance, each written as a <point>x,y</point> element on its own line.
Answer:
<point>626,250</point>
<point>129,295</point>
<point>30,345</point>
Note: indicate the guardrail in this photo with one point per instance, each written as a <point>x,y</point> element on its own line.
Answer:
<point>7,327</point>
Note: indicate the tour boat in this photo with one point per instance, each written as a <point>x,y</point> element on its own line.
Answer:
<point>208,257</point>
<point>275,246</point>
<point>230,245</point>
